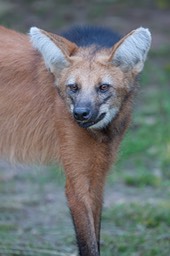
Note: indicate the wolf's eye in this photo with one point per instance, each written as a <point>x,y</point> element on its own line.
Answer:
<point>73,87</point>
<point>104,87</point>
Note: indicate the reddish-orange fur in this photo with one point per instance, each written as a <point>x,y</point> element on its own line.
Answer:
<point>36,127</point>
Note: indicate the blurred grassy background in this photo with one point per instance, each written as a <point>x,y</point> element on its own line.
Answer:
<point>34,219</point>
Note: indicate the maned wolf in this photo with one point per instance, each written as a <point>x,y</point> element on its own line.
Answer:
<point>69,99</point>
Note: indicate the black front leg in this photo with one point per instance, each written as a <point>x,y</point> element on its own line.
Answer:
<point>82,215</point>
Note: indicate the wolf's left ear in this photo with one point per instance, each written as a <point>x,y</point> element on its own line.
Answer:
<point>56,50</point>
<point>131,51</point>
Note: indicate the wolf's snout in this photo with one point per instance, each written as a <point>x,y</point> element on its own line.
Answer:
<point>82,113</point>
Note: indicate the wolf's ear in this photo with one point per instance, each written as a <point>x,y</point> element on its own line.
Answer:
<point>131,51</point>
<point>56,50</point>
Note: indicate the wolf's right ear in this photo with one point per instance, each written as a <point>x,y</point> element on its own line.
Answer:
<point>56,50</point>
<point>131,51</point>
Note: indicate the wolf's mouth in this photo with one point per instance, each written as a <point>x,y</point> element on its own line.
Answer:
<point>88,123</point>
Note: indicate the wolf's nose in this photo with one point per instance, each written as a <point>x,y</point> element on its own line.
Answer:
<point>82,113</point>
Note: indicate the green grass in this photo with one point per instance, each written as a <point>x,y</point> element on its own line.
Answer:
<point>32,219</point>
<point>145,150</point>
<point>139,229</point>
<point>140,225</point>
<point>142,178</point>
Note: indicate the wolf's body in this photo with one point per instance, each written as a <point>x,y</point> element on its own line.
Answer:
<point>69,100</point>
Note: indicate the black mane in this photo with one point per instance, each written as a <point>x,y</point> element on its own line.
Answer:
<point>85,36</point>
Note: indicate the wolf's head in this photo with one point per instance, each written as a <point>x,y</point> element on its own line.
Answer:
<point>93,82</point>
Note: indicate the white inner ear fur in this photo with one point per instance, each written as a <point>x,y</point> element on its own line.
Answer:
<point>52,54</point>
<point>132,53</point>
